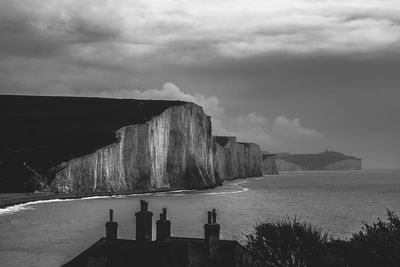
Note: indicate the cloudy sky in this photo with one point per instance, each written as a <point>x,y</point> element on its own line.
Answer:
<point>295,76</point>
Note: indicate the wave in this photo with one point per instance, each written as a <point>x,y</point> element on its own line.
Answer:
<point>236,188</point>
<point>29,205</point>
<point>14,209</point>
<point>155,194</point>
<point>244,189</point>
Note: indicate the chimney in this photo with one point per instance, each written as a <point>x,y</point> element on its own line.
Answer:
<point>143,222</point>
<point>111,228</point>
<point>211,233</point>
<point>163,226</point>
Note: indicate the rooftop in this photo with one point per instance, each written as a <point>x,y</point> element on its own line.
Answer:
<point>166,250</point>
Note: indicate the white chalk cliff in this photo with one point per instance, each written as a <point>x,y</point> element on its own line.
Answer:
<point>171,150</point>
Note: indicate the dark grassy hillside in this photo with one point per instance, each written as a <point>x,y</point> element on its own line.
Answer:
<point>38,132</point>
<point>221,140</point>
<point>265,156</point>
<point>314,161</point>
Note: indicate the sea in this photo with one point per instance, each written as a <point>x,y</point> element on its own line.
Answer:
<point>50,233</point>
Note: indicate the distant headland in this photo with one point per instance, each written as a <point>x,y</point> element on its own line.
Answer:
<point>327,160</point>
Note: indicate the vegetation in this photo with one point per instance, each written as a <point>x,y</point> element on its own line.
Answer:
<point>292,242</point>
<point>377,244</point>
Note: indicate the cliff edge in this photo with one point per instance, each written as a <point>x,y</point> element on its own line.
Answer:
<point>80,144</point>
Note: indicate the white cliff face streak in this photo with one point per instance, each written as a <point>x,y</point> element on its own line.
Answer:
<point>284,165</point>
<point>347,164</point>
<point>269,164</point>
<point>236,160</point>
<point>171,150</point>
<point>252,160</point>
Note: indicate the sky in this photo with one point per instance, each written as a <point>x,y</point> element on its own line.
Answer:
<point>297,76</point>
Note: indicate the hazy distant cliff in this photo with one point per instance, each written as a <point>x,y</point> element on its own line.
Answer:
<point>252,159</point>
<point>328,160</point>
<point>346,164</point>
<point>236,160</point>
<point>226,158</point>
<point>269,164</point>
<point>285,165</point>
<point>94,144</point>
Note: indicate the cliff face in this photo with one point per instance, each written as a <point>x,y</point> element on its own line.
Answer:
<point>80,144</point>
<point>347,164</point>
<point>240,161</point>
<point>226,158</point>
<point>269,164</point>
<point>252,160</point>
<point>172,150</point>
<point>236,160</point>
<point>284,165</point>
<point>38,133</point>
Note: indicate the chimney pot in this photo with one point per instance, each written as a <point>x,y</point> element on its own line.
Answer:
<point>163,226</point>
<point>214,216</point>
<point>211,233</point>
<point>111,228</point>
<point>144,222</point>
<point>143,205</point>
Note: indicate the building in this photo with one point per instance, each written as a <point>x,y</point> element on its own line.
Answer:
<point>166,250</point>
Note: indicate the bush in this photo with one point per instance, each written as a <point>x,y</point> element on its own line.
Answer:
<point>377,244</point>
<point>291,242</point>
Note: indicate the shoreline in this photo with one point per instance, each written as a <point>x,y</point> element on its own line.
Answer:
<point>11,199</point>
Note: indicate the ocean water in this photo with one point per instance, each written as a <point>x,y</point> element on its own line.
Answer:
<point>49,233</point>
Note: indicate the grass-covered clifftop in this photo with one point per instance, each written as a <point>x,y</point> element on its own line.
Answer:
<point>40,132</point>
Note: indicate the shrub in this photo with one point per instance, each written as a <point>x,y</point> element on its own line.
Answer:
<point>291,242</point>
<point>377,244</point>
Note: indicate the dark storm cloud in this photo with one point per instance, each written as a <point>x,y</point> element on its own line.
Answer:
<point>186,33</point>
<point>33,31</point>
<point>20,38</point>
